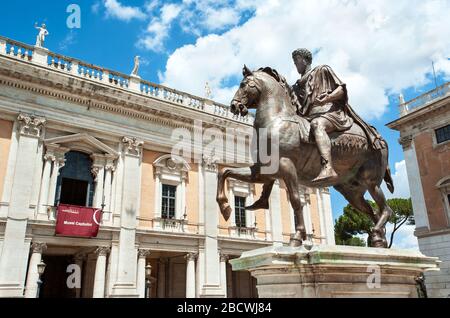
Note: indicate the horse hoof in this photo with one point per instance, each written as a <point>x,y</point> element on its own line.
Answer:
<point>295,242</point>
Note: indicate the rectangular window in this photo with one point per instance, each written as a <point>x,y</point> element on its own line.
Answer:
<point>239,211</point>
<point>443,134</point>
<point>168,200</point>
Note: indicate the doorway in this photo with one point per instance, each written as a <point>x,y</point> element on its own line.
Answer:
<point>54,279</point>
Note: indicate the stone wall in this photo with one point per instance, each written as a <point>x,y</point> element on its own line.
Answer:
<point>438,282</point>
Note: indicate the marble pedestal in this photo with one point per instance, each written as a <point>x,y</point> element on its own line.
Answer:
<point>334,271</point>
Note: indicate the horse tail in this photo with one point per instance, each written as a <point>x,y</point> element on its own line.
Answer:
<point>388,179</point>
<point>387,174</point>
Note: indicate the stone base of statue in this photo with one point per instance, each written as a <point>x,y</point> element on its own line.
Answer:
<point>335,271</point>
<point>40,55</point>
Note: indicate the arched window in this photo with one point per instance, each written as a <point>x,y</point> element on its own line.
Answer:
<point>75,183</point>
<point>444,187</point>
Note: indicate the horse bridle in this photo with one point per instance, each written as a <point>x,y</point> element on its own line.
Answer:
<point>244,99</point>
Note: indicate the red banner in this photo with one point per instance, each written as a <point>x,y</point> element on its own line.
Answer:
<point>77,221</point>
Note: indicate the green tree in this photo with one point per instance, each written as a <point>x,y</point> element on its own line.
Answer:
<point>354,222</point>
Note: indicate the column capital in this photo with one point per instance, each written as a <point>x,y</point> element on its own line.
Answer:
<point>102,251</point>
<point>95,171</point>
<point>132,146</point>
<point>210,163</point>
<point>190,256</point>
<point>38,247</point>
<point>406,142</point>
<point>143,253</point>
<point>110,167</point>
<point>80,257</point>
<point>49,157</point>
<point>30,125</point>
<point>224,257</point>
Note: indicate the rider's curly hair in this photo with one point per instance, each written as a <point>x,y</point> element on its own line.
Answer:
<point>304,54</point>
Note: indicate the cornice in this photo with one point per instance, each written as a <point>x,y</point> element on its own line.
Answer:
<point>418,115</point>
<point>114,100</point>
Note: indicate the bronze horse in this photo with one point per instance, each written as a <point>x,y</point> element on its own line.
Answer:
<point>360,168</point>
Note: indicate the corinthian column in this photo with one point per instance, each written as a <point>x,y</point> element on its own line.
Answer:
<point>142,260</point>
<point>125,286</point>
<point>58,164</point>
<point>49,158</point>
<point>223,272</point>
<point>190,275</point>
<point>15,248</point>
<point>32,278</point>
<point>109,170</point>
<point>98,171</point>
<point>100,272</point>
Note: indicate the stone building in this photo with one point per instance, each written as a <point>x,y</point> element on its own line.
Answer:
<point>424,126</point>
<point>74,133</point>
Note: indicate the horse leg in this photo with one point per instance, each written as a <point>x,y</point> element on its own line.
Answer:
<point>263,201</point>
<point>289,175</point>
<point>242,174</point>
<point>379,231</point>
<point>356,199</point>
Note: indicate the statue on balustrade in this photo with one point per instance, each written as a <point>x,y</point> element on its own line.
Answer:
<point>135,70</point>
<point>40,39</point>
<point>322,142</point>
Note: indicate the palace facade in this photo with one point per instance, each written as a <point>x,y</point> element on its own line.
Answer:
<point>424,127</point>
<point>77,134</point>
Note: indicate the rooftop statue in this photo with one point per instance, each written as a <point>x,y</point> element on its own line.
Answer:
<point>40,39</point>
<point>322,142</point>
<point>135,70</point>
<point>208,92</point>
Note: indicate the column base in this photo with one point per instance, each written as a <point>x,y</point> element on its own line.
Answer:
<point>11,290</point>
<point>124,290</point>
<point>211,291</point>
<point>335,271</point>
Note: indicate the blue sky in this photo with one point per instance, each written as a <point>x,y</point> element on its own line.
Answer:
<point>379,48</point>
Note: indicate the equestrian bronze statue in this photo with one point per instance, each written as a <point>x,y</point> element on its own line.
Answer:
<point>322,143</point>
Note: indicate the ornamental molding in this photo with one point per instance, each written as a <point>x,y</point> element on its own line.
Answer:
<point>191,256</point>
<point>172,167</point>
<point>143,253</point>
<point>30,125</point>
<point>102,251</point>
<point>130,106</point>
<point>210,162</point>
<point>240,188</point>
<point>38,247</point>
<point>82,142</point>
<point>406,141</point>
<point>132,146</point>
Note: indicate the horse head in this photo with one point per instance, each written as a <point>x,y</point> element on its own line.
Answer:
<point>247,96</point>
<point>265,81</point>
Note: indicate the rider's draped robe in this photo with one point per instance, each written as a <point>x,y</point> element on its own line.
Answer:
<point>322,79</point>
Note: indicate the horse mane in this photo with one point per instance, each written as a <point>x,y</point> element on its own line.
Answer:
<point>287,88</point>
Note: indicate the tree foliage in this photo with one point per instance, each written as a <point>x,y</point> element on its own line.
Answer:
<point>353,224</point>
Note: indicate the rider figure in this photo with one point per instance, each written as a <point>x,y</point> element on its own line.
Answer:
<point>323,99</point>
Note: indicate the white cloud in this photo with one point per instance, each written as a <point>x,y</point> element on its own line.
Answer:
<point>403,238</point>
<point>401,185</point>
<point>217,19</point>
<point>125,13</point>
<point>375,47</point>
<point>158,29</point>
<point>69,40</point>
